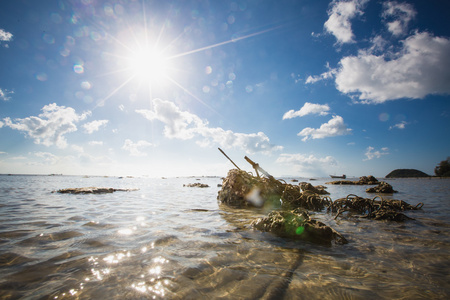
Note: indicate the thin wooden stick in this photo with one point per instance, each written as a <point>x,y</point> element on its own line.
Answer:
<point>229,158</point>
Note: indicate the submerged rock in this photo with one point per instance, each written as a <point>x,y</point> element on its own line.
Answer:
<point>92,190</point>
<point>197,184</point>
<point>298,225</point>
<point>382,187</point>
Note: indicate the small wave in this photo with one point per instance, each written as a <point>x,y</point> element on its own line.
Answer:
<point>167,240</point>
<point>15,234</point>
<point>10,259</point>
<point>51,237</point>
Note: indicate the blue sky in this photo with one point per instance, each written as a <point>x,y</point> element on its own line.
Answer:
<point>304,88</point>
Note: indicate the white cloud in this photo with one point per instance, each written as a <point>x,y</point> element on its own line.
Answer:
<point>94,125</point>
<point>96,143</point>
<point>135,149</point>
<point>326,75</point>
<point>400,15</point>
<point>49,158</point>
<point>422,67</point>
<point>4,94</point>
<point>323,76</point>
<point>307,109</point>
<point>1,124</point>
<point>77,148</point>
<point>306,163</point>
<point>50,126</point>
<point>185,125</point>
<point>5,36</point>
<point>334,127</point>
<point>179,124</point>
<point>370,154</point>
<point>340,14</point>
<point>400,125</point>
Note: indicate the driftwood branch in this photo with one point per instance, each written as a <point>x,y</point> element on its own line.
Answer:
<point>229,158</point>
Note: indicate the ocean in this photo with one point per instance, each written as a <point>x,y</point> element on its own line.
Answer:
<point>169,241</point>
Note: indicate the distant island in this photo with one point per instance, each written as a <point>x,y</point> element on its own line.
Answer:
<point>405,173</point>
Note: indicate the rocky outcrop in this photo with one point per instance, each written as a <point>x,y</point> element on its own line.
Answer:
<point>92,190</point>
<point>364,180</point>
<point>241,189</point>
<point>382,187</point>
<point>406,173</point>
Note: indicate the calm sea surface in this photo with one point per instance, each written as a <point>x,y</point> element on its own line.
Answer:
<point>166,241</point>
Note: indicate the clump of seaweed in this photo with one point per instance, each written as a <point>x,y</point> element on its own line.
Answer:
<point>242,189</point>
<point>382,209</point>
<point>382,187</point>
<point>297,224</point>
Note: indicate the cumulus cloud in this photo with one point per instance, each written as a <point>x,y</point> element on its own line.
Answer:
<point>397,16</point>
<point>135,149</point>
<point>185,125</point>
<point>94,125</point>
<point>305,163</point>
<point>50,126</point>
<point>339,16</point>
<point>333,127</point>
<point>4,94</point>
<point>370,154</point>
<point>178,124</point>
<point>420,68</point>
<point>307,109</point>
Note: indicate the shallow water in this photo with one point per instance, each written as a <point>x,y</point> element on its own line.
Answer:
<point>174,242</point>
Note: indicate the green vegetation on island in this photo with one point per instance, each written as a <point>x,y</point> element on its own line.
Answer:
<point>406,173</point>
<point>443,169</point>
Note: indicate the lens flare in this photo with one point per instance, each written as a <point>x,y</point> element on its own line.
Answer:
<point>299,230</point>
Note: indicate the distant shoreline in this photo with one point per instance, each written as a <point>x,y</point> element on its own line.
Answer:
<point>203,176</point>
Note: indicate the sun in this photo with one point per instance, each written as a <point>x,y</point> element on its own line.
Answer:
<point>149,64</point>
